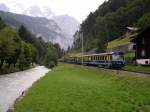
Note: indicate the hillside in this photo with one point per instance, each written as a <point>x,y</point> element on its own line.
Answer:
<point>46,28</point>
<point>109,22</point>
<point>120,41</point>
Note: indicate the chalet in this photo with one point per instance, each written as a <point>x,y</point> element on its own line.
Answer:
<point>142,47</point>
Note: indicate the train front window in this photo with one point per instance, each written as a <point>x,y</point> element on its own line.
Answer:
<point>117,57</point>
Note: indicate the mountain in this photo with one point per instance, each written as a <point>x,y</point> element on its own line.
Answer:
<point>68,24</point>
<point>40,26</point>
<point>3,7</point>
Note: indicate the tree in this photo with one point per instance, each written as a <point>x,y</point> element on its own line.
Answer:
<point>25,34</point>
<point>58,50</point>
<point>51,57</point>
<point>26,56</point>
<point>109,22</point>
<point>144,21</point>
<point>2,24</point>
<point>9,45</point>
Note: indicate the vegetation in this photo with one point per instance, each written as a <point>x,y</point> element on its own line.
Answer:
<point>23,49</point>
<point>129,57</point>
<point>144,21</point>
<point>70,88</point>
<point>120,41</point>
<point>138,68</point>
<point>109,22</point>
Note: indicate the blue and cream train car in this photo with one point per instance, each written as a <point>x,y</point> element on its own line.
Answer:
<point>110,60</point>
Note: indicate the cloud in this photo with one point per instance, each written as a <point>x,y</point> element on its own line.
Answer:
<point>76,8</point>
<point>3,7</point>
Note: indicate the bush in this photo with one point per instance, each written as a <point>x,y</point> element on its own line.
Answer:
<point>129,57</point>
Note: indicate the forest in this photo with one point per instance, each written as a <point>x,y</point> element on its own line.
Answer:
<point>20,50</point>
<point>109,22</point>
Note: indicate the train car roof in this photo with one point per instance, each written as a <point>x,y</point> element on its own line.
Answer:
<point>99,54</point>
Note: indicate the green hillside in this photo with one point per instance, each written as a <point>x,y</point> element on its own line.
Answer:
<point>109,22</point>
<point>120,41</point>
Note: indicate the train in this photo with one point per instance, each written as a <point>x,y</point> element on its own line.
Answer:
<point>107,60</point>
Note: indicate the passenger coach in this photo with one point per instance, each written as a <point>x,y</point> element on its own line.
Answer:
<point>110,60</point>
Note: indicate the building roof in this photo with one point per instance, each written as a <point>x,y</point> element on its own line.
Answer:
<point>133,28</point>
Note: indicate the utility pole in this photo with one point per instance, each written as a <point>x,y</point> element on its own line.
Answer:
<point>82,47</point>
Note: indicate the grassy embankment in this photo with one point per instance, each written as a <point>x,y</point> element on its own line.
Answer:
<point>70,88</point>
<point>137,68</point>
<point>120,41</point>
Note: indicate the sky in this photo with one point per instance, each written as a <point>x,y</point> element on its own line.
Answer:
<point>76,8</point>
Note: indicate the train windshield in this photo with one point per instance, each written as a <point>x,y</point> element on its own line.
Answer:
<point>117,57</point>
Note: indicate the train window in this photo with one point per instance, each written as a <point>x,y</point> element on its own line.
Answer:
<point>117,57</point>
<point>110,57</point>
<point>89,58</point>
<point>98,58</point>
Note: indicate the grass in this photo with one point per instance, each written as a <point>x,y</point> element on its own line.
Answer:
<point>120,41</point>
<point>71,88</point>
<point>138,68</point>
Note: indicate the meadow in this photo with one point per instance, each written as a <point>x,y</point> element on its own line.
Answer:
<point>72,88</point>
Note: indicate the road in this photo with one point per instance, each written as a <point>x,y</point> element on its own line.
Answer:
<point>12,85</point>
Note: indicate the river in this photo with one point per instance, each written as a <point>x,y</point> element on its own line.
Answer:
<point>12,85</point>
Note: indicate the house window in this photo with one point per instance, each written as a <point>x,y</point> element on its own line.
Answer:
<point>143,41</point>
<point>143,53</point>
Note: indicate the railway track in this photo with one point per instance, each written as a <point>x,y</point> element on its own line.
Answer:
<point>137,72</point>
<point>121,71</point>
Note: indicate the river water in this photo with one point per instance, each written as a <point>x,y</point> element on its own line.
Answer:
<point>12,85</point>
